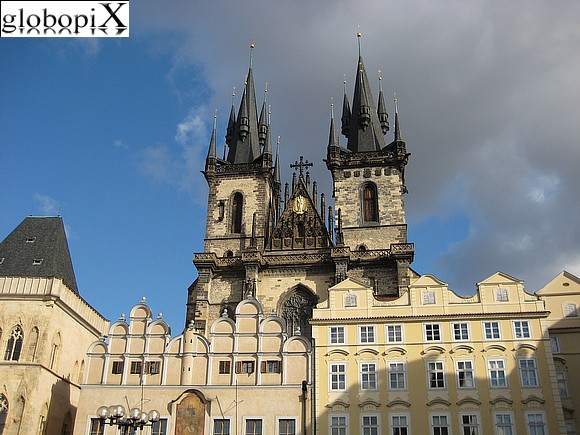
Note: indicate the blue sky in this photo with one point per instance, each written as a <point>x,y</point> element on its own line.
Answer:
<point>112,133</point>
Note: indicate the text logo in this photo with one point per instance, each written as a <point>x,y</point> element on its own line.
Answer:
<point>24,19</point>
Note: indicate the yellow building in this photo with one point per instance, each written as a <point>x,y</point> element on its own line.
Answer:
<point>248,376</point>
<point>433,362</point>
<point>562,298</point>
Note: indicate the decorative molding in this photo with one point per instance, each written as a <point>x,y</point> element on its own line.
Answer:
<point>439,400</point>
<point>398,402</point>
<point>494,347</point>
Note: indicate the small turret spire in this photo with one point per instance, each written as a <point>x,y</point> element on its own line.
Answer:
<point>345,118</point>
<point>332,142</point>
<point>398,135</point>
<point>382,108</point>
<point>263,122</point>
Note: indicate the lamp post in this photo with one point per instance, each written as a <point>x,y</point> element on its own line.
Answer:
<point>137,419</point>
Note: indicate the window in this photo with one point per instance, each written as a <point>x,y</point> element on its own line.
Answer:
<point>337,335</point>
<point>136,367</point>
<point>501,295</point>
<point>366,334</point>
<point>397,375</point>
<point>97,426</point>
<point>469,424</point>
<point>37,261</point>
<point>536,424</point>
<point>432,332</point>
<point>237,205</point>
<point>503,424</point>
<point>221,427</point>
<point>368,376</point>
<point>460,331</point>
<point>153,367</point>
<point>570,427</point>
<point>349,300</point>
<point>370,425</point>
<point>30,239</point>
<point>370,206</point>
<point>399,425</point>
<point>570,310</point>
<point>496,368</point>
<point>245,367</point>
<point>428,297</point>
<point>521,329</point>
<point>270,366</point>
<point>440,425</point>
<point>253,427</point>
<point>555,343</point>
<point>528,372</point>
<point>117,367</point>
<point>435,374</point>
<point>491,330</point>
<point>286,426</point>
<point>14,345</point>
<point>337,376</point>
<point>160,427</point>
<point>394,333</point>
<point>225,367</point>
<point>562,378</point>
<point>338,425</point>
<point>3,412</point>
<point>465,378</point>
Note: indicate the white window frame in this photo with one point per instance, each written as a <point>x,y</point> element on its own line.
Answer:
<point>491,369</point>
<point>371,426</point>
<point>290,417</point>
<point>492,330</point>
<point>459,370</point>
<point>392,426</point>
<point>570,310</point>
<point>249,418</point>
<point>501,294</point>
<point>371,375</point>
<point>220,418</point>
<point>498,427</point>
<point>401,329</point>
<point>555,344</point>
<point>562,381</point>
<point>522,329</point>
<point>428,297</point>
<point>432,417</point>
<point>367,328</point>
<point>330,335</point>
<point>399,374</point>
<point>436,367</point>
<point>461,331</point>
<point>339,374</point>
<point>470,425</point>
<point>433,326</point>
<point>543,422</point>
<point>528,370</point>
<point>350,300</point>
<point>339,427</point>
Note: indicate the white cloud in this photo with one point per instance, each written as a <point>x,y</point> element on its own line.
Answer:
<point>46,205</point>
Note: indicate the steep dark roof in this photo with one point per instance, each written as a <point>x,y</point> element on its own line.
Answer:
<point>38,248</point>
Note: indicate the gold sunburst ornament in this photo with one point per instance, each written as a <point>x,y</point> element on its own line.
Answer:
<point>299,205</point>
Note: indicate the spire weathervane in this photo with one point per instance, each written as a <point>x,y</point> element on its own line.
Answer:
<point>359,36</point>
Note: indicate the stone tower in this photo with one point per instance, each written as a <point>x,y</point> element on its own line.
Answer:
<point>287,249</point>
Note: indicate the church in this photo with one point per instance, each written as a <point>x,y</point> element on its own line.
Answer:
<point>306,316</point>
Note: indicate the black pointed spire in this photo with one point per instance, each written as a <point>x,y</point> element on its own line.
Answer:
<point>231,121</point>
<point>345,118</point>
<point>210,160</point>
<point>382,108</point>
<point>332,141</point>
<point>263,122</point>
<point>398,135</point>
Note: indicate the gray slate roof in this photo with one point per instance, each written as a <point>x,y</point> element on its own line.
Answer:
<point>38,248</point>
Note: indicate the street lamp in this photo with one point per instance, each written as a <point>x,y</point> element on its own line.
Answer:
<point>137,419</point>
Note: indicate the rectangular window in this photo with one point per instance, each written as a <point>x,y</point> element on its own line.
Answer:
<point>370,425</point>
<point>394,333</point>
<point>496,368</point>
<point>221,427</point>
<point>460,331</point>
<point>136,367</point>
<point>286,426</point>
<point>503,424</point>
<point>225,367</point>
<point>528,372</point>
<point>160,427</point>
<point>270,366</point>
<point>338,425</point>
<point>337,376</point>
<point>501,295</point>
<point>153,367</point>
<point>350,300</point>
<point>570,427</point>
<point>562,378</point>
<point>555,344</point>
<point>432,332</point>
<point>97,426</point>
<point>536,423</point>
<point>428,297</point>
<point>570,310</point>
<point>465,378</point>
<point>117,367</point>
<point>399,425</point>
<point>491,330</point>
<point>397,375</point>
<point>366,334</point>
<point>440,425</point>
<point>253,427</point>
<point>469,424</point>
<point>337,335</point>
<point>245,367</point>
<point>435,374</point>
<point>521,329</point>
<point>368,376</point>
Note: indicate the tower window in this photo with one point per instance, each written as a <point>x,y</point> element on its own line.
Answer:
<point>14,345</point>
<point>237,205</point>
<point>370,208</point>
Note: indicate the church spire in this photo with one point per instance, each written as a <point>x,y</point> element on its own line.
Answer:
<point>332,141</point>
<point>382,109</point>
<point>263,122</point>
<point>345,118</point>
<point>210,160</point>
<point>398,135</point>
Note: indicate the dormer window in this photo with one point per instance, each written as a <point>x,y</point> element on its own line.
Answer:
<point>37,261</point>
<point>501,295</point>
<point>31,240</point>
<point>428,297</point>
<point>350,300</point>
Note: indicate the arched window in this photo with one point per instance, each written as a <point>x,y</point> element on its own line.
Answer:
<point>32,345</point>
<point>14,345</point>
<point>370,208</point>
<point>237,204</point>
<point>3,412</point>
<point>54,351</point>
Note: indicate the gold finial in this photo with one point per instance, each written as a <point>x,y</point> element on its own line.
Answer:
<point>395,101</point>
<point>332,107</point>
<point>380,81</point>
<point>251,51</point>
<point>344,82</point>
<point>359,36</point>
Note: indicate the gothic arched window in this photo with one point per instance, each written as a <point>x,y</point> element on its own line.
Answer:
<point>14,345</point>
<point>370,207</point>
<point>3,412</point>
<point>237,204</point>
<point>297,309</point>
